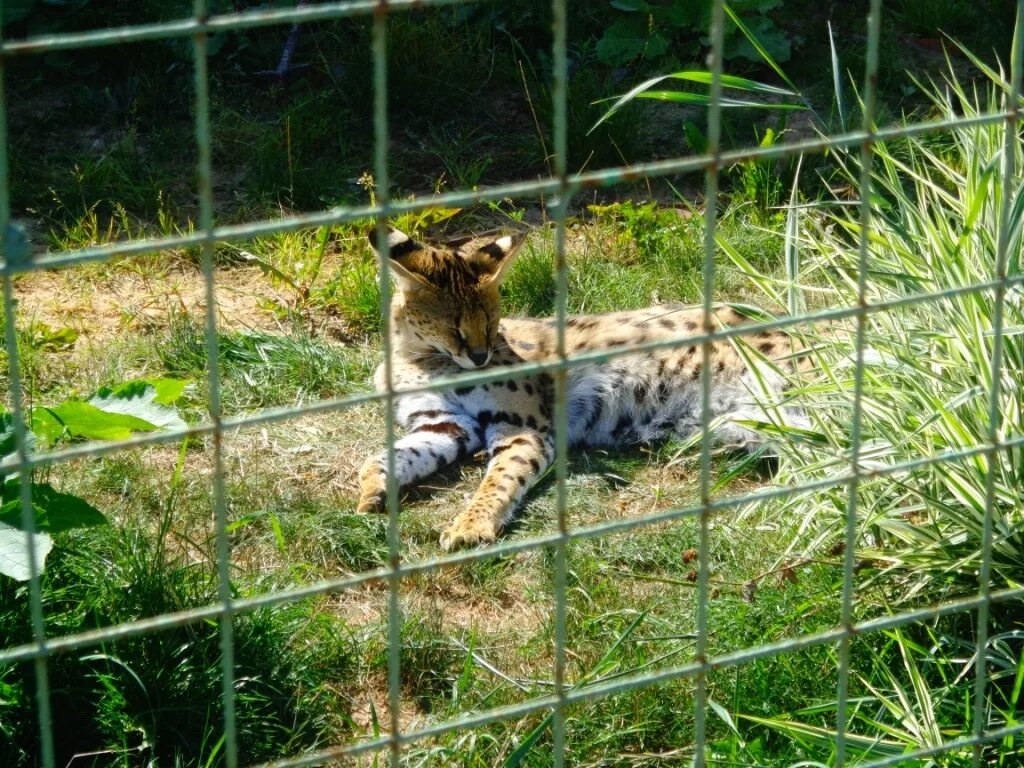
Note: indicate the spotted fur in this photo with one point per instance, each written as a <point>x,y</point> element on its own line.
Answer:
<point>446,319</point>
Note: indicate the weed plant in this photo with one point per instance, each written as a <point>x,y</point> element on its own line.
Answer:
<point>935,228</point>
<point>156,698</point>
<point>261,369</point>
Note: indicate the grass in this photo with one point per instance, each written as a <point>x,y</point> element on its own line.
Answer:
<point>290,500</point>
<point>261,369</point>
<point>926,389</point>
<point>290,495</point>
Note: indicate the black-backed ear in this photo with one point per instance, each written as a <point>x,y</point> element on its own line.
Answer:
<point>491,261</point>
<point>409,259</point>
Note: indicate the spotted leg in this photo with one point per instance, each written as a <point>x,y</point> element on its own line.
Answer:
<point>428,447</point>
<point>518,459</point>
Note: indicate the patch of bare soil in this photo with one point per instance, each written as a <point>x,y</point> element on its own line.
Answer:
<point>371,704</point>
<point>106,306</point>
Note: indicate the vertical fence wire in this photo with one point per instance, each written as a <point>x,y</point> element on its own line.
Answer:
<point>13,253</point>
<point>863,257</point>
<point>19,412</point>
<point>1011,138</point>
<point>559,95</point>
<point>383,191</point>
<point>204,181</point>
<point>711,178</point>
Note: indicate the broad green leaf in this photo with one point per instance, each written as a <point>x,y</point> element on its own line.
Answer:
<point>139,400</point>
<point>14,552</point>
<point>168,391</point>
<point>53,510</point>
<point>623,41</point>
<point>765,55</point>
<point>765,39</point>
<point>47,426</point>
<point>8,439</point>
<point>685,15</point>
<point>87,421</point>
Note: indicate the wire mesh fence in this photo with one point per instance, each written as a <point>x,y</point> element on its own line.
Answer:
<point>560,188</point>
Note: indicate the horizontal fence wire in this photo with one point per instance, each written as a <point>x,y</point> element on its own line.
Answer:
<point>512,191</point>
<point>201,24</point>
<point>165,621</point>
<point>288,413</point>
<point>560,187</point>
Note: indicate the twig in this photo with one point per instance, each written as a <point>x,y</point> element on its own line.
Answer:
<point>520,684</point>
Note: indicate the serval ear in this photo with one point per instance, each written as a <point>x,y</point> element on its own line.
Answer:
<point>490,262</point>
<point>409,260</point>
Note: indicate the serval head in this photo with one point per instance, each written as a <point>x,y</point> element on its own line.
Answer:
<point>447,299</point>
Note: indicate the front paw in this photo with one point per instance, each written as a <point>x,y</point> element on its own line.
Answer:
<point>372,488</point>
<point>372,502</point>
<point>468,530</point>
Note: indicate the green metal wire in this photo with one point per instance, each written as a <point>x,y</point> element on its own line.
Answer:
<point>12,261</point>
<point>204,179</point>
<point>382,183</point>
<point>1009,170</point>
<point>559,95</point>
<point>700,697</point>
<point>861,317</point>
<point>228,22</point>
<point>512,191</point>
<point>559,189</point>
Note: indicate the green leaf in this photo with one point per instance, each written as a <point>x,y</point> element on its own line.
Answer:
<point>703,77</point>
<point>516,758</point>
<point>138,400</point>
<point>684,97</point>
<point>42,336</point>
<point>14,552</point>
<point>684,15</point>
<point>698,141</point>
<point>8,438</point>
<point>756,45</point>
<point>766,37</point>
<point>168,391</point>
<point>724,715</point>
<point>8,442</point>
<point>622,42</point>
<point>54,511</point>
<point>89,422</point>
<point>47,426</point>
